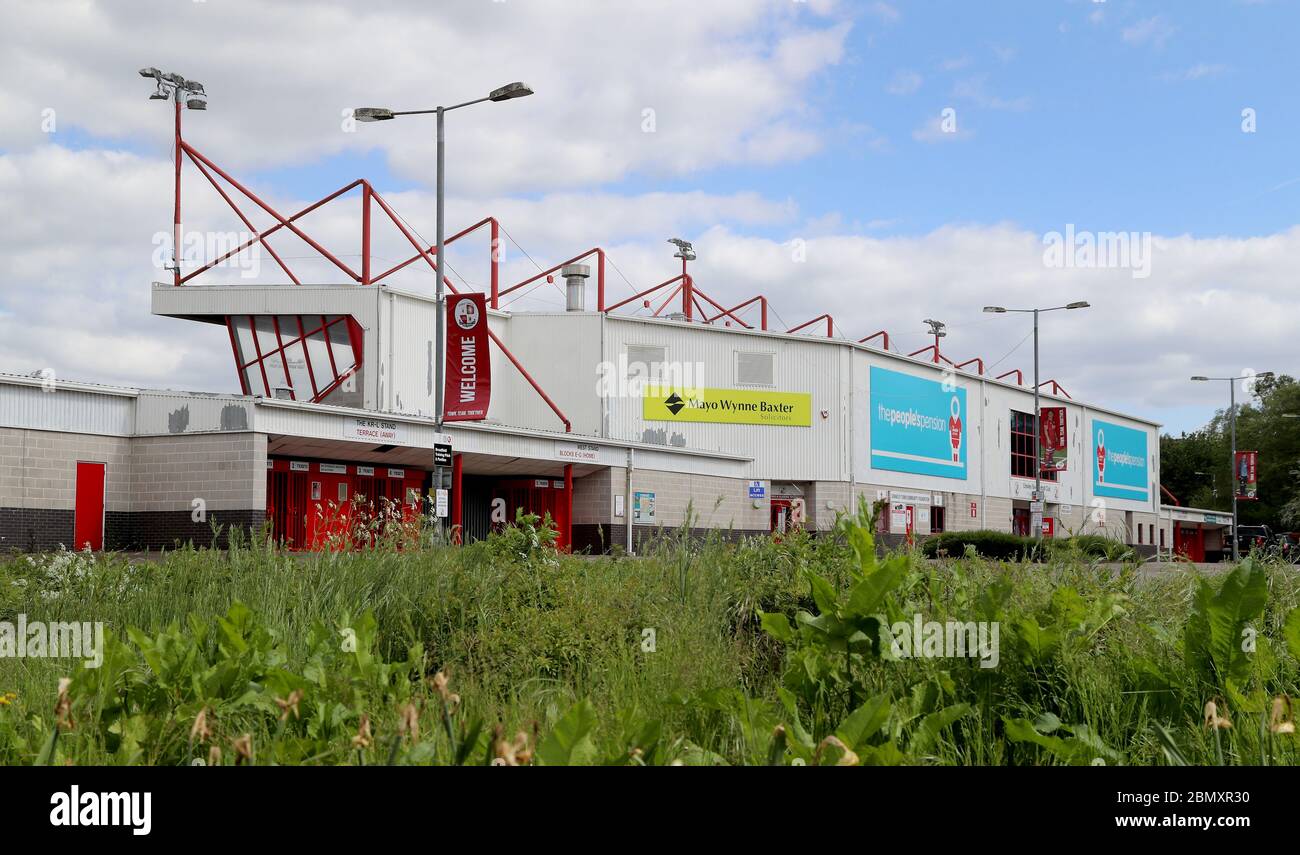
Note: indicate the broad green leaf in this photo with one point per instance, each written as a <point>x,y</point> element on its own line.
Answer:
<point>1214,633</point>
<point>932,725</point>
<point>867,596</point>
<point>864,722</point>
<point>1291,632</point>
<point>776,625</point>
<point>569,743</point>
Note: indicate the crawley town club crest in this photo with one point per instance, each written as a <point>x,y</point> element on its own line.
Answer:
<point>466,314</point>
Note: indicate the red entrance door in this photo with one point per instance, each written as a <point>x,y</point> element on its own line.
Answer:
<point>781,515</point>
<point>538,496</point>
<point>1189,542</point>
<point>88,518</point>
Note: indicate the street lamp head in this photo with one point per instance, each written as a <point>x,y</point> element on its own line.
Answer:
<point>1263,374</point>
<point>1081,304</point>
<point>510,90</point>
<point>151,72</point>
<point>1201,379</point>
<point>996,310</point>
<point>196,104</point>
<point>372,114</point>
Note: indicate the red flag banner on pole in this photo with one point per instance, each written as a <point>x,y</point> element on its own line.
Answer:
<point>1053,439</point>
<point>468,390</point>
<point>1245,475</point>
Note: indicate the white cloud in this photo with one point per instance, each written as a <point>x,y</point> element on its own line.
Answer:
<point>76,267</point>
<point>728,81</point>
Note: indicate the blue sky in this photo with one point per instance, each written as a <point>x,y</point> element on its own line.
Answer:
<point>1094,130</point>
<point>1069,122</point>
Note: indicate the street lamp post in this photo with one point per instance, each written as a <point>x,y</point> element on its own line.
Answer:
<point>1037,519</point>
<point>381,114</point>
<point>1232,459</point>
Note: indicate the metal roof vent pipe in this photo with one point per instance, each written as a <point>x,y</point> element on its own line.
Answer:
<point>575,286</point>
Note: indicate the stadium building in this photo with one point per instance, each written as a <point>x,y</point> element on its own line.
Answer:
<point>615,417</point>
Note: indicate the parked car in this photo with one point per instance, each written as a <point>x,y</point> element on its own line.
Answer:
<point>1258,537</point>
<point>1288,547</point>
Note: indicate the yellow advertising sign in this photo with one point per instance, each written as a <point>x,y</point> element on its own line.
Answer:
<point>727,406</point>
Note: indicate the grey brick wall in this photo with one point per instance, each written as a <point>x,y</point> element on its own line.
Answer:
<point>150,486</point>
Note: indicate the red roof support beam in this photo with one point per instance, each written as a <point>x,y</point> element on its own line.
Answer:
<point>410,237</point>
<point>671,295</point>
<point>979,364</point>
<point>600,275</point>
<point>884,335</point>
<point>247,224</point>
<point>1020,376</point>
<point>261,236</point>
<point>704,315</point>
<point>731,313</point>
<point>431,253</point>
<point>830,325</point>
<point>287,223</point>
<point>1057,389</point>
<point>365,232</point>
<point>937,355</point>
<point>641,295</point>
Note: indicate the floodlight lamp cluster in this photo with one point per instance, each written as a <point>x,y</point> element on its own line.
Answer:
<point>684,249</point>
<point>170,86</point>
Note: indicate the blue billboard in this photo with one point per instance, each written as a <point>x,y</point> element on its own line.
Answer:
<point>918,425</point>
<point>1119,462</point>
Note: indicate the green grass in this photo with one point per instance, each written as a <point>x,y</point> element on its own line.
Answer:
<point>1093,664</point>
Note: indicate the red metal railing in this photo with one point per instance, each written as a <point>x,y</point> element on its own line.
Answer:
<point>693,301</point>
<point>1057,389</point>
<point>830,325</point>
<point>880,335</point>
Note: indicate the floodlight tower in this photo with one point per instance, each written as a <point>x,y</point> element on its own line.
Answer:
<point>174,87</point>
<point>686,252</point>
<point>936,330</point>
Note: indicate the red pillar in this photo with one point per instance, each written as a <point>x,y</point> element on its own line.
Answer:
<point>365,233</point>
<point>496,258</point>
<point>566,534</point>
<point>457,465</point>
